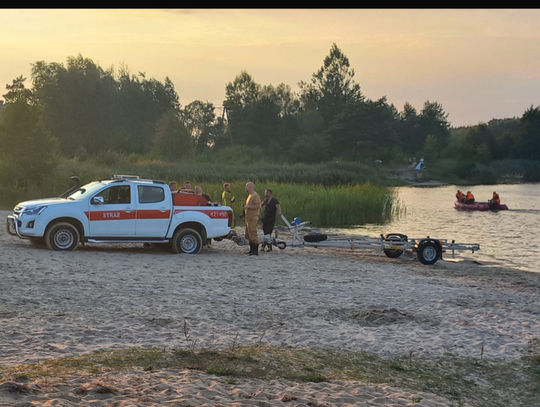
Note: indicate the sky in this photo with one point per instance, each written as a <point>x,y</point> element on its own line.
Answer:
<point>479,64</point>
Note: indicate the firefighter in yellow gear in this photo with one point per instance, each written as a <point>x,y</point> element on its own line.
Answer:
<point>252,209</point>
<point>227,199</point>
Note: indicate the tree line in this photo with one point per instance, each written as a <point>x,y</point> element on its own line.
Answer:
<point>79,109</point>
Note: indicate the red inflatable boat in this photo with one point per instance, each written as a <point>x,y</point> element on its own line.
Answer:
<point>479,206</point>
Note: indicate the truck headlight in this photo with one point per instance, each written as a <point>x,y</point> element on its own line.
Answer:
<point>35,211</point>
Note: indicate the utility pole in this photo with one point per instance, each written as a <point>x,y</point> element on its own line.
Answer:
<point>225,111</point>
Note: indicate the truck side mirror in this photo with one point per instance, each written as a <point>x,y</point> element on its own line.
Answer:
<point>98,200</point>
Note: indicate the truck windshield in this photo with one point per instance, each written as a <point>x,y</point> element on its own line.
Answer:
<point>86,191</point>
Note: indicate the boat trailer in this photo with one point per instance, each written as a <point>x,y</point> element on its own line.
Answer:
<point>427,249</point>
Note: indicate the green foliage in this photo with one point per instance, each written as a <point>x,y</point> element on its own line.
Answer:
<point>172,139</point>
<point>432,148</point>
<point>85,106</point>
<point>363,130</point>
<point>332,86</point>
<point>310,149</point>
<point>28,152</point>
<point>328,194</point>
<point>200,121</point>
<point>528,143</point>
<point>344,205</point>
<point>92,113</point>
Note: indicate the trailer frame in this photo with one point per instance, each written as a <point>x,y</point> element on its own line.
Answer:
<point>428,250</point>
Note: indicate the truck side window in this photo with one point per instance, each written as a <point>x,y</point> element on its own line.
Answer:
<point>150,194</point>
<point>116,195</point>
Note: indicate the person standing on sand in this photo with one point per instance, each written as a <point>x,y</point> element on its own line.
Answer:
<point>227,199</point>
<point>271,207</point>
<point>252,208</point>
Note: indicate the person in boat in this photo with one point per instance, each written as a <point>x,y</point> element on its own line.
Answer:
<point>469,198</point>
<point>495,199</point>
<point>460,196</point>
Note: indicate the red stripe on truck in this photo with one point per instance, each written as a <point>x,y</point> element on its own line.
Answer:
<point>123,215</point>
<point>150,214</point>
<point>153,214</point>
<point>213,214</point>
<point>110,215</point>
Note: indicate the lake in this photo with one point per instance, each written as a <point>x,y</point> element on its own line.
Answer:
<point>508,237</point>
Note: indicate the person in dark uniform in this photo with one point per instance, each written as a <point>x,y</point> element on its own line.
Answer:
<point>198,191</point>
<point>187,186</point>
<point>271,208</point>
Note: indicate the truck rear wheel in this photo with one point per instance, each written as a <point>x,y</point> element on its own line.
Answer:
<point>62,236</point>
<point>187,241</point>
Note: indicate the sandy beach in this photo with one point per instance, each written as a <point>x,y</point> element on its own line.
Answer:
<point>101,297</point>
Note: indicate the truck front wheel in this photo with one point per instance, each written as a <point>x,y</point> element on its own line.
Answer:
<point>62,236</point>
<point>187,241</point>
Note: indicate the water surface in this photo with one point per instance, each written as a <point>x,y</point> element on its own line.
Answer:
<point>507,237</point>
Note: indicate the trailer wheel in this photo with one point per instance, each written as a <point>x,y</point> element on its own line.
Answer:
<point>315,237</point>
<point>393,253</point>
<point>428,252</point>
<point>187,241</point>
<point>62,236</point>
<point>394,237</point>
<point>399,236</point>
<point>281,245</point>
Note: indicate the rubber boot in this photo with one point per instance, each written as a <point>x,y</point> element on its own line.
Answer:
<point>269,247</point>
<point>255,251</point>
<point>250,248</point>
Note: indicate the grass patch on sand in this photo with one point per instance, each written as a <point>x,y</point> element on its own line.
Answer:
<point>464,380</point>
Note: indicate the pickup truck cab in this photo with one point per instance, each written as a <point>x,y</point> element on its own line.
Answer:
<point>124,209</point>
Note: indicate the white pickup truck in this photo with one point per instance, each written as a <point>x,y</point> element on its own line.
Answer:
<point>124,209</point>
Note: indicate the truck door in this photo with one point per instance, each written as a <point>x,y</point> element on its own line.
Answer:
<point>112,212</point>
<point>153,211</point>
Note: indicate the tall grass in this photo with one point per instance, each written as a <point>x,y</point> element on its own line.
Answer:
<point>219,166</point>
<point>329,194</point>
<point>341,205</point>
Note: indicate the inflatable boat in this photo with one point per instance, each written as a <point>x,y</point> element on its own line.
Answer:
<point>479,206</point>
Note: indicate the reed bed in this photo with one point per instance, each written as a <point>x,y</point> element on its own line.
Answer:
<point>330,194</point>
<point>341,205</point>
